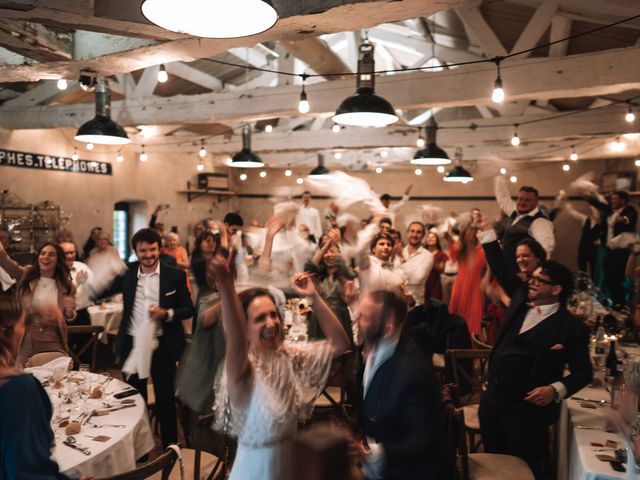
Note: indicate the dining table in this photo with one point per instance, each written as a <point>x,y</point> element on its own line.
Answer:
<point>107,315</point>
<point>114,433</point>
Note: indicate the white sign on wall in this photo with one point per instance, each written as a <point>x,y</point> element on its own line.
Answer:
<point>41,161</point>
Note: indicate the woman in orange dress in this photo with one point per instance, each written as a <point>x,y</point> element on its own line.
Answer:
<point>172,247</point>
<point>467,299</point>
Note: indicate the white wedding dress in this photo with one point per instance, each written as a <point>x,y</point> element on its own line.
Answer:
<point>286,384</point>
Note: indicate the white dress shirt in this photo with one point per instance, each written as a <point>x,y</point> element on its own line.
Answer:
<point>310,217</point>
<point>82,300</point>
<point>6,281</point>
<point>416,267</point>
<point>381,276</point>
<point>622,240</point>
<point>541,229</point>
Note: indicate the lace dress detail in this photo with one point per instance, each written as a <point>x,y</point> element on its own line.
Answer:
<point>286,385</point>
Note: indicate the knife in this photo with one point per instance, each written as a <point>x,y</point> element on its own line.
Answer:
<point>76,447</point>
<point>123,407</point>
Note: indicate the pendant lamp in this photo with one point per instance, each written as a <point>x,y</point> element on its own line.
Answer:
<point>364,108</point>
<point>458,173</point>
<point>212,18</point>
<point>102,130</point>
<point>320,169</point>
<point>245,158</point>
<point>431,154</point>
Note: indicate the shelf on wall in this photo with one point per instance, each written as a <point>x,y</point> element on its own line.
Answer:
<point>192,192</point>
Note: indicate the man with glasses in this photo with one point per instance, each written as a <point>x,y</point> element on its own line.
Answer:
<point>526,368</point>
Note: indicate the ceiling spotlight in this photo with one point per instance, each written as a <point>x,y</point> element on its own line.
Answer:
<point>574,155</point>
<point>90,146</point>
<point>618,145</point>
<point>497,96</point>
<point>268,128</point>
<point>515,140</point>
<point>288,172</point>
<point>101,129</point>
<point>337,155</point>
<point>336,128</point>
<point>263,174</point>
<point>219,19</point>
<point>62,84</point>
<point>303,104</point>
<point>199,167</point>
<point>384,153</point>
<point>566,167</point>
<point>203,151</point>
<point>630,117</point>
<point>379,169</point>
<point>243,177</point>
<point>418,171</point>
<point>245,158</point>
<point>299,181</point>
<point>503,171</point>
<point>513,179</point>
<point>163,76</point>
<point>119,158</point>
<point>432,154</point>
<point>364,108</point>
<point>88,80</point>
<point>143,155</point>
<point>74,155</point>
<point>320,170</point>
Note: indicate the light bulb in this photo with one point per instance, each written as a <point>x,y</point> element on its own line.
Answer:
<point>74,155</point>
<point>199,167</point>
<point>299,181</point>
<point>503,171</point>
<point>335,128</point>
<point>303,105</point>
<point>163,76</point>
<point>263,174</point>
<point>440,169</point>
<point>630,117</point>
<point>384,153</point>
<point>268,129</point>
<point>243,177</point>
<point>566,167</point>
<point>62,84</point>
<point>143,155</point>
<point>119,158</point>
<point>288,172</point>
<point>513,179</point>
<point>637,162</point>
<point>337,155</point>
<point>618,145</point>
<point>418,171</point>
<point>497,96</point>
<point>378,169</point>
<point>420,142</point>
<point>90,146</point>
<point>515,140</point>
<point>203,152</point>
<point>631,136</point>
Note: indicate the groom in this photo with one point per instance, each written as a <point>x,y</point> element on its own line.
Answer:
<point>401,412</point>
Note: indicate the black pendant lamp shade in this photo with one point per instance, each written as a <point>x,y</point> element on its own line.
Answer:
<point>431,154</point>
<point>320,169</point>
<point>458,174</point>
<point>212,18</point>
<point>364,108</point>
<point>245,158</point>
<point>102,130</point>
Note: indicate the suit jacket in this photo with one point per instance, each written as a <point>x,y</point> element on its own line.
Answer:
<point>403,412</point>
<point>618,228</point>
<point>562,340</point>
<point>173,295</point>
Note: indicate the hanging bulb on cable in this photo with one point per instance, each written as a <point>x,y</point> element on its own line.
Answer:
<point>120,158</point>
<point>384,153</point>
<point>143,155</point>
<point>203,151</point>
<point>200,166</point>
<point>420,141</point>
<point>299,180</point>
<point>513,179</point>
<point>263,173</point>
<point>90,146</point>
<point>379,169</point>
<point>630,117</point>
<point>303,105</point>
<point>336,128</point>
<point>503,171</point>
<point>515,140</point>
<point>574,155</point>
<point>566,167</point>
<point>243,177</point>
<point>163,76</point>
<point>441,169</point>
<point>268,128</point>
<point>418,171</point>
<point>337,155</point>
<point>74,155</point>
<point>62,84</point>
<point>497,96</point>
<point>288,172</point>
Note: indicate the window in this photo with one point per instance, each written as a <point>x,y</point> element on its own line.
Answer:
<point>121,230</point>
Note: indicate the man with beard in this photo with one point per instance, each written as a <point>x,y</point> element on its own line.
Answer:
<point>526,368</point>
<point>150,337</point>
<point>401,407</point>
<point>417,262</point>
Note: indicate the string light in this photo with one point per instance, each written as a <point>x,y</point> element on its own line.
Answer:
<point>515,140</point>
<point>618,145</point>
<point>288,172</point>
<point>574,154</point>
<point>303,104</point>
<point>513,179</point>
<point>336,128</point>
<point>441,169</point>
<point>566,167</point>
<point>62,84</point>
<point>337,155</point>
<point>299,181</point>
<point>243,177</point>
<point>203,151</point>
<point>268,128</point>
<point>263,173</point>
<point>119,158</point>
<point>630,117</point>
<point>497,96</point>
<point>503,171</point>
<point>143,155</point>
<point>163,76</point>
<point>420,141</point>
<point>418,171</point>
<point>200,166</point>
<point>379,169</point>
<point>90,146</point>
<point>637,162</point>
<point>384,153</point>
<point>74,155</point>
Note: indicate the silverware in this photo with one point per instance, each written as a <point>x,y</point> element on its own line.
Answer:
<point>583,427</point>
<point>104,425</point>
<point>602,449</point>
<point>122,407</point>
<point>580,399</point>
<point>71,442</point>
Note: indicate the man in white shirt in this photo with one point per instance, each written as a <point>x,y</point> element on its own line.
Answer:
<point>417,262</point>
<point>309,216</point>
<point>525,220</point>
<point>80,274</point>
<point>390,211</point>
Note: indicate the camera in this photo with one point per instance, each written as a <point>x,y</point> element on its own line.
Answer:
<point>88,80</point>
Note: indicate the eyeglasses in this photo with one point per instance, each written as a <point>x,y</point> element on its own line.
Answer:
<point>537,281</point>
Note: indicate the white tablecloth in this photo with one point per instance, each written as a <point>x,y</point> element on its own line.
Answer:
<point>107,315</point>
<point>117,455</point>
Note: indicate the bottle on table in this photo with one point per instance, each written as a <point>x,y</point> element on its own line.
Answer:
<point>618,386</point>
<point>601,341</point>
<point>612,359</point>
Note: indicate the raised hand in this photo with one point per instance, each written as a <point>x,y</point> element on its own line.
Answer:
<point>219,271</point>
<point>303,284</point>
<point>81,278</point>
<point>275,224</point>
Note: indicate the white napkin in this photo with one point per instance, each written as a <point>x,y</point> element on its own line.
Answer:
<point>144,344</point>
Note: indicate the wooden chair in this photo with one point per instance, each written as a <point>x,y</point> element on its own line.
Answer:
<point>479,343</point>
<point>91,343</point>
<point>43,358</point>
<point>158,469</point>
<point>471,368</point>
<point>199,464</point>
<point>333,398</point>
<point>486,466</point>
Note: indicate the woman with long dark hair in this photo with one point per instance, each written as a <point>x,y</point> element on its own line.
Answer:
<point>433,285</point>
<point>47,288</point>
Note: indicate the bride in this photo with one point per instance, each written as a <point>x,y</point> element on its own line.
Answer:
<point>267,386</point>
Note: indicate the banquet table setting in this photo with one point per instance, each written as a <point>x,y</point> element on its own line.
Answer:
<point>97,434</point>
<point>107,315</point>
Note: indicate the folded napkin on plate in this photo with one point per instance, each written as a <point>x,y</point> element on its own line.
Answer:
<point>44,371</point>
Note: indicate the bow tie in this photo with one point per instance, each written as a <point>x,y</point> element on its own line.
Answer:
<point>388,265</point>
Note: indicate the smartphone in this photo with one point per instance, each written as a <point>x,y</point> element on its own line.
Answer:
<point>125,393</point>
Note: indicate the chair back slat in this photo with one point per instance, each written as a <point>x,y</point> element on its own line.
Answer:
<point>90,343</point>
<point>470,367</point>
<point>164,463</point>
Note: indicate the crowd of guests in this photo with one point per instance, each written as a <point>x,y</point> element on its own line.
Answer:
<point>372,284</point>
